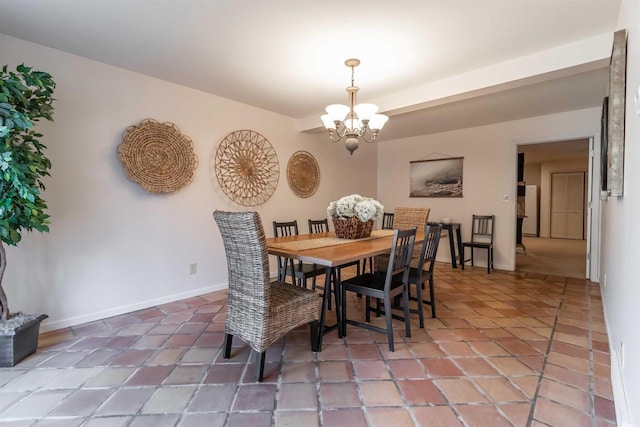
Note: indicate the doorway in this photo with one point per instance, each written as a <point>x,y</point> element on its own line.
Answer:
<point>556,178</point>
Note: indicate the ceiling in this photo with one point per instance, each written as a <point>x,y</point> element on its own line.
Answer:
<point>287,56</point>
<point>558,150</point>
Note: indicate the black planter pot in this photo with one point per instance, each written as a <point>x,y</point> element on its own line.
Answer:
<point>20,342</point>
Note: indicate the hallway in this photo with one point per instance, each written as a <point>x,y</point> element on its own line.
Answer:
<point>558,257</point>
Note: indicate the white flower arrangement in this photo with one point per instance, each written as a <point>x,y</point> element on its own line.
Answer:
<point>364,208</point>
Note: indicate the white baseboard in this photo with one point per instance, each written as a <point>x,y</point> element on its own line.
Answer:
<point>116,311</point>
<point>619,396</point>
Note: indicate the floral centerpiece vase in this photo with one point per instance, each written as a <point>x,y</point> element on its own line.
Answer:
<point>353,216</point>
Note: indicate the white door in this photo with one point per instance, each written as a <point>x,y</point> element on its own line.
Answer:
<point>567,205</point>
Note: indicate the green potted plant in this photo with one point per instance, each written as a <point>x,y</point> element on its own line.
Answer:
<point>25,98</point>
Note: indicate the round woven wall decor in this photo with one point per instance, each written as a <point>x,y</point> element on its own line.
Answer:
<point>247,167</point>
<point>157,156</point>
<point>303,174</point>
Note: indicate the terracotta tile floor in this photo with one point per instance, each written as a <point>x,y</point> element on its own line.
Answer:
<point>507,349</point>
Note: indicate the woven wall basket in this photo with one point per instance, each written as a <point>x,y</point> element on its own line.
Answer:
<point>157,156</point>
<point>247,167</point>
<point>303,174</point>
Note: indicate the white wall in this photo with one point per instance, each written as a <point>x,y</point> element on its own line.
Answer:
<point>620,237</point>
<point>490,166</point>
<point>112,246</point>
<point>532,173</point>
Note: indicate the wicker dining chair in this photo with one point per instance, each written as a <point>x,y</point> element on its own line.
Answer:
<point>404,218</point>
<point>259,311</point>
<point>298,270</point>
<point>384,286</point>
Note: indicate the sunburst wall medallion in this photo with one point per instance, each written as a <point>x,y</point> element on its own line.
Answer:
<point>157,156</point>
<point>247,167</point>
<point>303,174</point>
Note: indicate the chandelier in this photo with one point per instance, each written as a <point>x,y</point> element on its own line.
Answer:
<point>355,120</point>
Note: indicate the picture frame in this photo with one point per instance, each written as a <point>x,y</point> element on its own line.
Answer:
<point>604,124</point>
<point>436,177</point>
<point>616,113</point>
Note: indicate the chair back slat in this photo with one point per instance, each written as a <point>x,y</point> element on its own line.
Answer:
<point>387,221</point>
<point>400,256</point>
<point>287,228</point>
<point>318,225</point>
<point>429,248</point>
<point>482,228</point>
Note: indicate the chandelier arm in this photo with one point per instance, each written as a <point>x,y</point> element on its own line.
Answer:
<point>368,134</point>
<point>334,137</point>
<point>341,129</point>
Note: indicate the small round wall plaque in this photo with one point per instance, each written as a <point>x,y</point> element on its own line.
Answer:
<point>303,174</point>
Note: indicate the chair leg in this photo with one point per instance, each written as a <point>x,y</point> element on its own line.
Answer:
<point>489,261</point>
<point>228,338</point>
<point>367,304</point>
<point>462,260</point>
<point>258,372</point>
<point>293,272</point>
<point>491,250</point>
<point>407,319</point>
<point>433,298</point>
<point>419,301</point>
<point>387,316</point>
<point>344,313</point>
<point>314,329</point>
<point>472,264</point>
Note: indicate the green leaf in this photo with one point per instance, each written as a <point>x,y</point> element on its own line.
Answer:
<point>25,98</point>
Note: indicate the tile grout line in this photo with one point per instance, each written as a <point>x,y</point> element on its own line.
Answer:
<point>530,419</point>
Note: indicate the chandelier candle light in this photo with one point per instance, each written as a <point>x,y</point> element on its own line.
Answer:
<point>355,120</point>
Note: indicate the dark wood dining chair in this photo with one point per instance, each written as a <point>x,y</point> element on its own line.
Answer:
<point>424,271</point>
<point>482,232</point>
<point>419,275</point>
<point>259,311</point>
<point>322,226</point>
<point>387,221</point>
<point>387,224</point>
<point>298,270</point>
<point>385,286</point>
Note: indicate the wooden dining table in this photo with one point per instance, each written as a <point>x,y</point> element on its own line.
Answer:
<point>327,250</point>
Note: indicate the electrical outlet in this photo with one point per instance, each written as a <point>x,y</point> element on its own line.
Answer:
<point>193,268</point>
<point>505,198</point>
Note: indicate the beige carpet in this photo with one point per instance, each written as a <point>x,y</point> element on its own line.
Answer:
<point>560,257</point>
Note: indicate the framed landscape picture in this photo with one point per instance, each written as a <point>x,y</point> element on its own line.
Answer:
<point>604,146</point>
<point>616,110</point>
<point>436,178</point>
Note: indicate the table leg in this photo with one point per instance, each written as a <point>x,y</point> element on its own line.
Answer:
<point>330,279</point>
<point>460,248</point>
<point>452,247</point>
